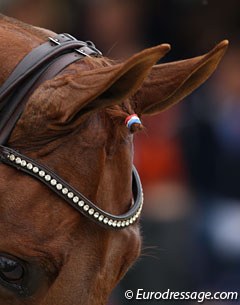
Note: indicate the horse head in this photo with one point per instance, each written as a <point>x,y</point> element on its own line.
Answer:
<point>74,124</point>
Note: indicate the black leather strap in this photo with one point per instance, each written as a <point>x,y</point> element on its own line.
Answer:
<point>42,55</point>
<point>16,102</point>
<point>41,64</point>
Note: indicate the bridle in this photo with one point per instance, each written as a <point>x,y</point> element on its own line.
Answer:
<point>41,64</point>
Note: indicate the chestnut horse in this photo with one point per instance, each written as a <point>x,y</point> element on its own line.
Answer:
<point>74,124</point>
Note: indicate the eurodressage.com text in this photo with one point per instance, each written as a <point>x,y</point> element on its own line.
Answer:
<point>200,297</point>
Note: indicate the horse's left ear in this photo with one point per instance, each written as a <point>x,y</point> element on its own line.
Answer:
<point>169,83</point>
<point>102,87</point>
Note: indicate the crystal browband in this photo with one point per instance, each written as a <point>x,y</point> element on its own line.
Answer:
<point>71,195</point>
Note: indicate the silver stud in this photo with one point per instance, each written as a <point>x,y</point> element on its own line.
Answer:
<point>65,191</point>
<point>35,169</point>
<point>12,157</point>
<point>23,163</point>
<point>91,212</point>
<point>53,182</point>
<point>119,224</point>
<point>86,207</point>
<point>59,186</point>
<point>105,220</point>
<point>96,214</point>
<point>81,203</point>
<point>48,177</point>
<point>131,221</point>
<point>18,160</point>
<point>29,166</point>
<point>41,173</point>
<point>114,223</point>
<point>127,223</point>
<point>110,222</point>
<point>70,195</point>
<point>75,199</point>
<point>100,218</point>
<point>123,223</point>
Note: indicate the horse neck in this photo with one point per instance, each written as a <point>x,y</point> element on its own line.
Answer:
<point>17,40</point>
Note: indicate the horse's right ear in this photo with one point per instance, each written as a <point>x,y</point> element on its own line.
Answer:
<point>169,83</point>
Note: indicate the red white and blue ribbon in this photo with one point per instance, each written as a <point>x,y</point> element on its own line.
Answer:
<point>132,119</point>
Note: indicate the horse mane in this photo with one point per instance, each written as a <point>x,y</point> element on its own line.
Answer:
<point>27,27</point>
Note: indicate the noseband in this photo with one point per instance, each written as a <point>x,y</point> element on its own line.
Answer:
<point>41,64</point>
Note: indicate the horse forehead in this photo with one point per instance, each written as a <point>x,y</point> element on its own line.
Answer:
<point>29,210</point>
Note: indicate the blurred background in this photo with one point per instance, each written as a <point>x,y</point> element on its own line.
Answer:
<point>189,156</point>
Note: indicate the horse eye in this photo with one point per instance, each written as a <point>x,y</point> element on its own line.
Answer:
<point>11,270</point>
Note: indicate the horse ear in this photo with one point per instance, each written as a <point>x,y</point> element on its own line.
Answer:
<point>118,82</point>
<point>102,87</point>
<point>169,83</point>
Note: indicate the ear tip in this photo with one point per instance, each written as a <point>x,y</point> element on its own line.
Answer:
<point>155,53</point>
<point>161,48</point>
<point>166,46</point>
<point>219,50</point>
<point>221,47</point>
<point>223,44</point>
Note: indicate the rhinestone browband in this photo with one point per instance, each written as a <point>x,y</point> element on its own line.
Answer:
<point>71,195</point>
